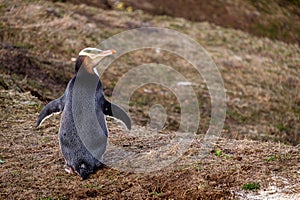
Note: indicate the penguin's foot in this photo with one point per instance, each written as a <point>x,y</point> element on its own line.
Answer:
<point>69,170</point>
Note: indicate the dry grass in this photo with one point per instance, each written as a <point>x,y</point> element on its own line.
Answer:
<point>262,83</point>
<point>33,164</point>
<point>260,76</point>
<point>278,19</point>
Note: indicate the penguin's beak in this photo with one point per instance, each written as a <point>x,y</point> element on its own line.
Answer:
<point>92,57</point>
<point>107,52</point>
<point>102,54</point>
<point>99,56</point>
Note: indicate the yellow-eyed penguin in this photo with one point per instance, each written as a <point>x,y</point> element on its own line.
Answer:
<point>83,130</point>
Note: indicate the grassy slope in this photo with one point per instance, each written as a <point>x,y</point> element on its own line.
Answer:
<point>277,19</point>
<point>261,78</point>
<point>33,165</point>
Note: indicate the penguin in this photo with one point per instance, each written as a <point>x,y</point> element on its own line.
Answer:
<point>83,131</point>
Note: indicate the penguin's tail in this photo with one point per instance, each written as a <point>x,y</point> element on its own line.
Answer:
<point>84,174</point>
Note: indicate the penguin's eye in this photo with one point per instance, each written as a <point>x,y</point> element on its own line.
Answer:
<point>88,51</point>
<point>92,51</point>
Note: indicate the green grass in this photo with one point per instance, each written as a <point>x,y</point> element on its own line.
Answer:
<point>46,198</point>
<point>281,127</point>
<point>24,45</point>
<point>156,193</point>
<point>251,186</point>
<point>58,197</point>
<point>237,116</point>
<point>294,2</point>
<point>270,158</point>
<point>218,152</point>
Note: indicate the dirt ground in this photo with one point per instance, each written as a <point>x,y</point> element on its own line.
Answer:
<point>258,144</point>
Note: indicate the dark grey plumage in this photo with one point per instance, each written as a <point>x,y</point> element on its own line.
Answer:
<point>83,131</point>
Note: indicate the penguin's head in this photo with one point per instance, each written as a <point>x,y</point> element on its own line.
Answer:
<point>90,57</point>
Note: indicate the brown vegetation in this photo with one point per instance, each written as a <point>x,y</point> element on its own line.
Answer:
<point>259,142</point>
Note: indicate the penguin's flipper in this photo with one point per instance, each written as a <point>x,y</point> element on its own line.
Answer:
<point>54,107</point>
<point>116,112</point>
